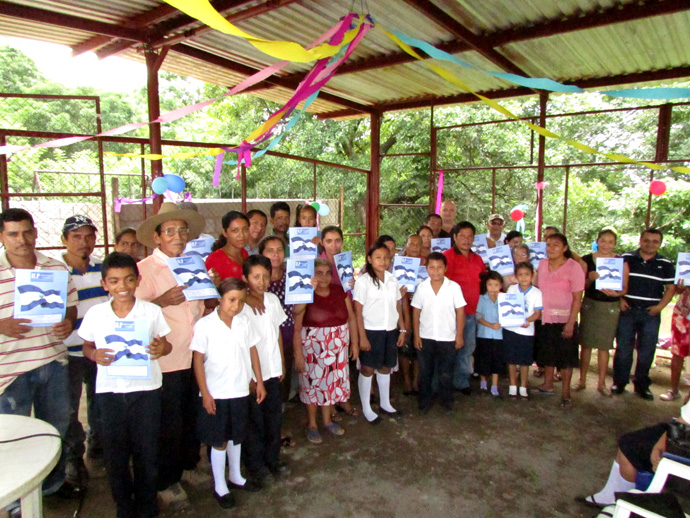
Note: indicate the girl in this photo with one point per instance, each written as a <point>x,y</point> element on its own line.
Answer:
<point>378,310</point>
<point>306,216</point>
<point>228,251</point>
<point>389,243</point>
<point>225,356</point>
<point>323,331</point>
<point>561,281</point>
<point>519,341</point>
<point>426,234</point>
<point>600,310</point>
<point>489,352</point>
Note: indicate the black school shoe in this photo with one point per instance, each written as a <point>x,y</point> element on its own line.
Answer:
<point>645,394</point>
<point>279,468</point>
<point>250,485</point>
<point>225,501</point>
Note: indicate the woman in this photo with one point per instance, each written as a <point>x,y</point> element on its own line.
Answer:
<point>561,281</point>
<point>427,235</point>
<point>513,239</point>
<point>323,331</point>
<point>229,252</point>
<point>599,318</point>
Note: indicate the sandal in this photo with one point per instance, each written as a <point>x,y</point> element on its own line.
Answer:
<point>577,387</point>
<point>566,403</point>
<point>605,391</point>
<point>542,390</point>
<point>313,436</point>
<point>335,417</point>
<point>538,372</point>
<point>557,376</point>
<point>335,429</point>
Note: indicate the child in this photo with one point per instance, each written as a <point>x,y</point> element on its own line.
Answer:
<point>378,310</point>
<point>438,319</point>
<point>306,216</point>
<point>262,448</point>
<point>408,354</point>
<point>489,354</point>
<point>225,355</point>
<point>519,341</point>
<point>130,408</point>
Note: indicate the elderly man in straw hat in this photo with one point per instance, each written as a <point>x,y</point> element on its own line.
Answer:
<point>168,233</point>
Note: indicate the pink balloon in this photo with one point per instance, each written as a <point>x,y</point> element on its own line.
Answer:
<point>657,187</point>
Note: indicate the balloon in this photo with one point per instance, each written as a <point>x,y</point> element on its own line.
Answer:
<point>175,182</point>
<point>517,215</point>
<point>159,185</point>
<point>657,187</point>
<point>324,210</point>
<point>316,206</point>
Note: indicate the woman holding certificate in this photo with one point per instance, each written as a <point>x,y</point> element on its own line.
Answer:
<point>606,282</point>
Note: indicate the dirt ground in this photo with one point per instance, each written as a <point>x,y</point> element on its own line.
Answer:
<point>490,458</point>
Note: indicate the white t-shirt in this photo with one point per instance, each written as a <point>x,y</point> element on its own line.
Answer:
<point>533,302</point>
<point>227,363</point>
<point>93,329</point>
<point>379,310</point>
<point>267,326</point>
<point>437,320</point>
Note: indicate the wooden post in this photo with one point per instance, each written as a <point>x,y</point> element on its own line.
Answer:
<point>543,99</point>
<point>154,60</point>
<point>4,181</point>
<point>433,164</point>
<point>663,135</point>
<point>374,181</point>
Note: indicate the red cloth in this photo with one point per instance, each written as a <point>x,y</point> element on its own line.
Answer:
<point>224,266</point>
<point>466,272</point>
<point>328,311</point>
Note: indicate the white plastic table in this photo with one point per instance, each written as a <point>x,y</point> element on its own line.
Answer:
<point>26,463</point>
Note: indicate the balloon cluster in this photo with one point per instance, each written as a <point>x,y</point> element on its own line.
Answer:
<point>168,182</point>
<point>321,208</point>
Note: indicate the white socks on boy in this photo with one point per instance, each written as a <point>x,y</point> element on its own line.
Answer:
<point>384,383</point>
<point>364,385</point>
<point>615,484</point>
<point>234,453</point>
<point>218,468</point>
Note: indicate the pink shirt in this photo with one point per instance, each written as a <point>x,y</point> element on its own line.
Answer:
<point>156,279</point>
<point>557,289</point>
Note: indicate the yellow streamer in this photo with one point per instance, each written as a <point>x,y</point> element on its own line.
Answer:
<point>154,156</point>
<point>203,11</point>
<point>452,78</point>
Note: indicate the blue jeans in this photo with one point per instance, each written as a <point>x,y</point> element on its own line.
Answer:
<point>635,323</point>
<point>463,357</point>
<point>44,389</point>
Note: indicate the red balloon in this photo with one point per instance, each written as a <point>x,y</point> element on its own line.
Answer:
<point>657,187</point>
<point>517,215</point>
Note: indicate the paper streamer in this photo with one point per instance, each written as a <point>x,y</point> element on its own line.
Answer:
<point>117,204</point>
<point>439,192</point>
<point>537,221</point>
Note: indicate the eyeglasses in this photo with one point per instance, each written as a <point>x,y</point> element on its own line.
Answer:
<point>183,231</point>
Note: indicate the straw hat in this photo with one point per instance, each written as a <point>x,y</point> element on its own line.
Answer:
<point>169,212</point>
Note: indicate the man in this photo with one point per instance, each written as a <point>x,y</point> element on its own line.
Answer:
<point>280,219</point>
<point>650,289</point>
<point>167,233</point>
<point>448,215</point>
<point>495,236</point>
<point>79,238</point>
<point>465,267</point>
<point>33,363</point>
<point>257,229</point>
<point>435,223</point>
<point>126,242</point>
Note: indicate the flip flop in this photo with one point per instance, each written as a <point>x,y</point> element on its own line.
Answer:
<point>543,391</point>
<point>335,429</point>
<point>313,436</point>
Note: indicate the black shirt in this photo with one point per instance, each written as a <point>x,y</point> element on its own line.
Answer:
<point>648,279</point>
<point>592,292</point>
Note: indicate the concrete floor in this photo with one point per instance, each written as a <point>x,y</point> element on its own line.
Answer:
<point>491,458</point>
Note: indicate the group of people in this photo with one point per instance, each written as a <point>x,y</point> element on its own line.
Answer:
<point>221,369</point>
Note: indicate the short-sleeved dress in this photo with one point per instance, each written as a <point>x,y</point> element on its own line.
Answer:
<point>680,326</point>
<point>325,340</point>
<point>599,314</point>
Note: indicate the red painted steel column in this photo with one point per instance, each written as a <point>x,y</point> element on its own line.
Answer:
<point>374,181</point>
<point>663,135</point>
<point>543,99</point>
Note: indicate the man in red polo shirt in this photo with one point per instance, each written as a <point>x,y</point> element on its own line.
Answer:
<point>465,268</point>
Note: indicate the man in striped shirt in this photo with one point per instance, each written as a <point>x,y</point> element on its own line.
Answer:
<point>33,360</point>
<point>79,238</point>
<point>650,289</point>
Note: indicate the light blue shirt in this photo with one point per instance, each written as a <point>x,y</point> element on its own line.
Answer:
<point>488,310</point>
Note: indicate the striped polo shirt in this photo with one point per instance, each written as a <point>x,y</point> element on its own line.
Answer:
<point>90,292</point>
<point>38,347</point>
<point>648,279</point>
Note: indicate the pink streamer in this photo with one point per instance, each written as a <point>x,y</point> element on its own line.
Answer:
<point>439,192</point>
<point>216,170</point>
<point>540,191</point>
<point>117,206</point>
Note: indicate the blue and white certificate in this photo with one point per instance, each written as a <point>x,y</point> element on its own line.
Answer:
<point>128,340</point>
<point>422,275</point>
<point>610,270</point>
<point>343,264</point>
<point>298,288</point>
<point>405,270</point>
<point>301,246</point>
<point>440,244</point>
<point>201,247</point>
<point>537,252</point>
<point>480,246</point>
<point>40,296</point>
<point>191,271</point>
<point>501,260</point>
<point>683,268</point>
<point>511,309</point>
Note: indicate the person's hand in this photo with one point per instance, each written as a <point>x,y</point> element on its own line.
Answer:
<point>593,276</point>
<point>351,283</point>
<point>654,310</point>
<point>282,376</point>
<point>256,304</point>
<point>459,342</point>
<point>209,403</point>
<point>260,392</point>
<point>314,283</point>
<point>657,452</point>
<point>215,277</point>
<point>316,240</point>
<point>15,327</point>
<point>526,324</point>
<point>156,348</point>
<point>418,343</point>
<point>611,293</point>
<point>568,330</point>
<point>403,290</point>
<point>103,357</point>
<point>496,326</point>
<point>624,304</point>
<point>61,330</point>
<point>354,352</point>
<point>172,297</point>
<point>364,344</point>
<point>300,364</point>
<point>401,339</point>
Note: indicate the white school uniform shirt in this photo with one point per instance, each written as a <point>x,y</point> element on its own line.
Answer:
<point>227,363</point>
<point>533,302</point>
<point>379,309</point>
<point>93,329</point>
<point>438,320</point>
<point>267,327</point>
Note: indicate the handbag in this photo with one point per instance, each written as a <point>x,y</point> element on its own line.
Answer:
<point>678,439</point>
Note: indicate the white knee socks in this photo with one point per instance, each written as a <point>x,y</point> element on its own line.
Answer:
<point>615,484</point>
<point>234,453</point>
<point>384,382</point>
<point>364,385</point>
<point>218,468</point>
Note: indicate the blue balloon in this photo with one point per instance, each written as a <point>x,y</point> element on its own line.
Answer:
<point>159,185</point>
<point>175,183</point>
<point>324,210</point>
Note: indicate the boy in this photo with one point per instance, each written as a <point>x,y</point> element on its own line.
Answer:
<point>438,320</point>
<point>263,441</point>
<point>130,408</point>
